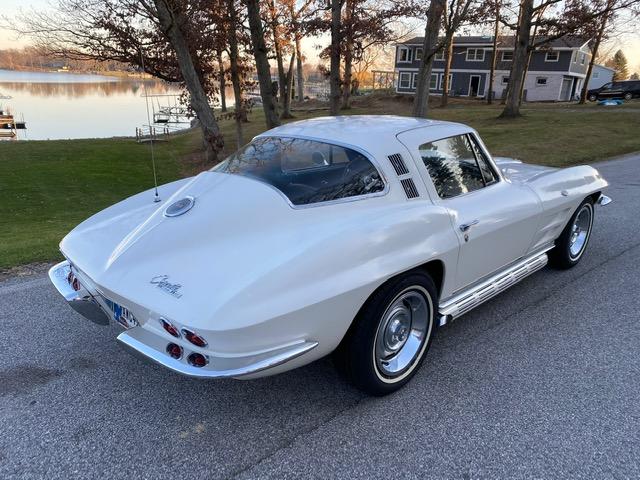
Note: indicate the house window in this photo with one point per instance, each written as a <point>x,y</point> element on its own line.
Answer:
<point>505,80</point>
<point>418,53</point>
<point>541,81</point>
<point>583,56</point>
<point>552,56</point>
<point>574,57</point>
<point>441,87</point>
<point>507,56</point>
<point>414,81</point>
<point>439,55</point>
<point>433,82</point>
<point>404,55</point>
<point>405,80</point>
<point>475,54</point>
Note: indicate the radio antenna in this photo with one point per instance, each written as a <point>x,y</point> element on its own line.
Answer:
<point>156,197</point>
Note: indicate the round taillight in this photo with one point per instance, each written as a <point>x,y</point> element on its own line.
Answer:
<point>194,338</point>
<point>169,328</point>
<point>174,351</point>
<point>197,360</point>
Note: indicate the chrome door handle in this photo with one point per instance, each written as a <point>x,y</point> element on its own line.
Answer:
<point>466,226</point>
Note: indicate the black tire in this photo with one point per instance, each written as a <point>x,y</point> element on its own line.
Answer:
<point>356,357</point>
<point>562,256</point>
<point>628,96</point>
<point>593,98</point>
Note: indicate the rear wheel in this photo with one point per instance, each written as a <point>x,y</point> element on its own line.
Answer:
<point>574,238</point>
<point>390,336</point>
<point>628,96</point>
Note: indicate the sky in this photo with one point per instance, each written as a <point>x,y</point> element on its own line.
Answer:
<point>629,42</point>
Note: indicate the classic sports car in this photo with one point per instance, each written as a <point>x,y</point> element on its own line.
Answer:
<point>354,235</point>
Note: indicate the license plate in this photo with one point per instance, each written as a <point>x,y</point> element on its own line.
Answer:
<point>121,314</point>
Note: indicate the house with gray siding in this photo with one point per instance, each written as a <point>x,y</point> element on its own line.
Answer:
<point>556,73</point>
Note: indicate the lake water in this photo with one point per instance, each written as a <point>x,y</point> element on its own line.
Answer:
<point>67,105</point>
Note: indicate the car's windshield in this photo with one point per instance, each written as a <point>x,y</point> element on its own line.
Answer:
<point>306,171</point>
<point>606,86</point>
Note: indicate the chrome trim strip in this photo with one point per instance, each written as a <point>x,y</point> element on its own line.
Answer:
<point>476,295</point>
<point>82,301</point>
<point>144,352</point>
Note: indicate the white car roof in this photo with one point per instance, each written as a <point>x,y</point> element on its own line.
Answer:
<point>370,132</point>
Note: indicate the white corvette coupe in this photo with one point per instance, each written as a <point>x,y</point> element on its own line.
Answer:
<point>355,235</point>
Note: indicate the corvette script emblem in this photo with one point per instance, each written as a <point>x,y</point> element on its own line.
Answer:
<point>162,282</point>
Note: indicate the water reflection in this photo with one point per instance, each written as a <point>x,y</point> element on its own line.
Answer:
<point>65,105</point>
<point>78,90</point>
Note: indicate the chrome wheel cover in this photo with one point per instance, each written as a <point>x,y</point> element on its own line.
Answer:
<point>402,334</point>
<point>580,231</point>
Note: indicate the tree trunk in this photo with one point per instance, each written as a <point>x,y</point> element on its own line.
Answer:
<point>262,63</point>
<point>520,56</point>
<point>277,47</point>
<point>286,104</point>
<point>429,48</point>
<point>448,54</point>
<point>223,83</point>
<point>494,55</point>
<point>172,21</point>
<point>236,79</point>
<point>348,56</point>
<point>299,71</point>
<point>594,52</point>
<point>336,38</point>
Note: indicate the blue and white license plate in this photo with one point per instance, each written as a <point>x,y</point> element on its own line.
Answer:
<point>121,314</point>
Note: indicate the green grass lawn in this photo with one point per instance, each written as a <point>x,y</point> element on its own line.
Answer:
<point>48,187</point>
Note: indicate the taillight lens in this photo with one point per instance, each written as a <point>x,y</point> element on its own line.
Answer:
<point>197,360</point>
<point>174,351</point>
<point>73,281</point>
<point>169,328</point>
<point>194,338</point>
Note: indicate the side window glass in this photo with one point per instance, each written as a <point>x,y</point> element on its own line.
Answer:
<point>488,174</point>
<point>452,165</point>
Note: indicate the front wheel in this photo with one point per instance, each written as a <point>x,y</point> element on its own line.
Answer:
<point>574,238</point>
<point>593,98</point>
<point>391,335</point>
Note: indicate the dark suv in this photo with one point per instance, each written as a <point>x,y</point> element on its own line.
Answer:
<point>627,90</point>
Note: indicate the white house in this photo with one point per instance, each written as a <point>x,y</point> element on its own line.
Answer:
<point>599,76</point>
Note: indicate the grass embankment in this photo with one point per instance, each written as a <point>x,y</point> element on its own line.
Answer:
<point>48,187</point>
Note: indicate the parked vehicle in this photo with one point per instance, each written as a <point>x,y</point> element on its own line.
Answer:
<point>355,235</point>
<point>627,90</point>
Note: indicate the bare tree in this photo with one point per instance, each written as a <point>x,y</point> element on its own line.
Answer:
<point>456,12</point>
<point>429,48</point>
<point>260,53</point>
<point>173,21</point>
<point>334,55</point>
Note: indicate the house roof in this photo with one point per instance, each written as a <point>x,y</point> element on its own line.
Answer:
<point>603,66</point>
<point>507,41</point>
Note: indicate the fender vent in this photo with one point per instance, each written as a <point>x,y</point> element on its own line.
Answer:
<point>409,188</point>
<point>398,164</point>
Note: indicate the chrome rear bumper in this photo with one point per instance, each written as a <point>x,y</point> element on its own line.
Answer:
<point>150,344</point>
<point>81,301</point>
<point>604,200</point>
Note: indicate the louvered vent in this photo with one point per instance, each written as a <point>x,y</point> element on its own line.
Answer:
<point>409,188</point>
<point>398,164</point>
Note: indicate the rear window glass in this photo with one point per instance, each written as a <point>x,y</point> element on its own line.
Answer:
<point>306,171</point>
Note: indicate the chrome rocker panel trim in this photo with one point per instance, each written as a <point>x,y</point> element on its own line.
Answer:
<point>150,354</point>
<point>81,301</point>
<point>478,294</point>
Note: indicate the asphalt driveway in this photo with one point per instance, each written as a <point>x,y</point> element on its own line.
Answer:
<point>541,382</point>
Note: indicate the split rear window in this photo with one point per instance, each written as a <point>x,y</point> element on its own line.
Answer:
<point>305,171</point>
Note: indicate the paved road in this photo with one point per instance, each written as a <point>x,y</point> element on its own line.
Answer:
<point>542,382</point>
